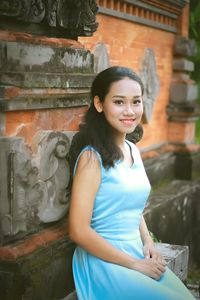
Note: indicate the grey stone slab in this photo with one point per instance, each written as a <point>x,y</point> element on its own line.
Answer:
<point>185,46</point>
<point>39,102</point>
<point>23,57</point>
<point>183,64</point>
<point>47,80</point>
<point>183,92</point>
<point>176,257</point>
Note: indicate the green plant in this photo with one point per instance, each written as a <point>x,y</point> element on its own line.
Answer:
<point>193,275</point>
<point>154,238</point>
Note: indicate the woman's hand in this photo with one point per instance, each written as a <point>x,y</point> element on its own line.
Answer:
<point>150,267</point>
<point>150,251</point>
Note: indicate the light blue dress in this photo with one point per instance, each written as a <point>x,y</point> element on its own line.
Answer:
<point>118,208</point>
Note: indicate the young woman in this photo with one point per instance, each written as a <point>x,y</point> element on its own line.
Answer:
<point>115,258</point>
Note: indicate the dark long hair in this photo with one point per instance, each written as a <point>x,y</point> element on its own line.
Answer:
<point>96,131</point>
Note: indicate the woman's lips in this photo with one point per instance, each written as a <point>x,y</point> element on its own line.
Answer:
<point>127,121</point>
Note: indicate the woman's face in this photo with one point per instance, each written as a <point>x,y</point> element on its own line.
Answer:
<point>123,106</point>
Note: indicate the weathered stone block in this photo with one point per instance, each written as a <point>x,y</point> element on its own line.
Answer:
<point>32,65</point>
<point>48,80</point>
<point>176,257</point>
<point>36,102</point>
<point>185,46</point>
<point>183,92</point>
<point>21,57</point>
<point>182,64</point>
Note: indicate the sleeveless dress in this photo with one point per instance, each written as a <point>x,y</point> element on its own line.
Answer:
<point>118,208</point>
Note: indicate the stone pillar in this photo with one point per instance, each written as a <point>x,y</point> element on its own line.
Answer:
<point>183,111</point>
<point>45,78</point>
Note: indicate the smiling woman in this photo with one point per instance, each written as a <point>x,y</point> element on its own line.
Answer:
<point>122,106</point>
<point>115,258</point>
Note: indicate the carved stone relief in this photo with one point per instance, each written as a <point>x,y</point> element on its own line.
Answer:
<point>54,172</point>
<point>151,82</point>
<point>75,17</point>
<point>101,58</point>
<point>33,185</point>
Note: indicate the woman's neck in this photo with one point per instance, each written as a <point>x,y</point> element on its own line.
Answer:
<point>120,141</point>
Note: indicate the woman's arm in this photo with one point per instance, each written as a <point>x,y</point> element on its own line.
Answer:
<point>144,233</point>
<point>86,183</point>
<point>149,249</point>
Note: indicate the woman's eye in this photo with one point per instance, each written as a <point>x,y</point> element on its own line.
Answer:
<point>119,102</point>
<point>137,101</point>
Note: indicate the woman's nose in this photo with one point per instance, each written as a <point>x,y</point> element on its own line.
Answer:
<point>129,110</point>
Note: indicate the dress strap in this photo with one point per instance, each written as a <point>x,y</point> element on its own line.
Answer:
<point>131,152</point>
<point>90,148</point>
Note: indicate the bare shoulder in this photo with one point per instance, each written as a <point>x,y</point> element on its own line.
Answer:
<point>87,176</point>
<point>88,162</point>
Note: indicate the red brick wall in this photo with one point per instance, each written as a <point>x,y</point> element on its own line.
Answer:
<point>126,42</point>
<point>26,124</point>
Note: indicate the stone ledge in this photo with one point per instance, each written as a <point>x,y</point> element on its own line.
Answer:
<point>33,242</point>
<point>176,257</point>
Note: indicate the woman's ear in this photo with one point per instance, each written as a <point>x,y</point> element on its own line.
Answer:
<point>98,104</point>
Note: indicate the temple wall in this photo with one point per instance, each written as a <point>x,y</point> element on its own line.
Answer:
<point>126,43</point>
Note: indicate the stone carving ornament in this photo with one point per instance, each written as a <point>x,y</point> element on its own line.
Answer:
<point>151,83</point>
<point>54,172</point>
<point>72,17</point>
<point>33,189</point>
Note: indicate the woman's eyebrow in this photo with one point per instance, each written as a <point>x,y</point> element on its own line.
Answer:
<point>124,97</point>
